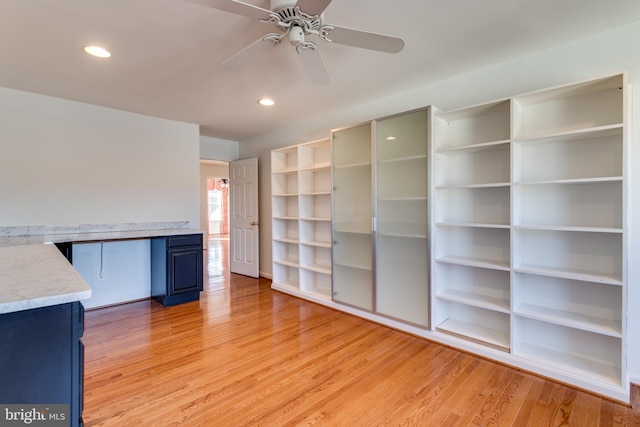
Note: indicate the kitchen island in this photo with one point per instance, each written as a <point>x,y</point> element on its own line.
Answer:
<point>41,325</point>
<point>41,314</point>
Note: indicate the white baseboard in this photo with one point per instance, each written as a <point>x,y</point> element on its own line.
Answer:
<point>266,275</point>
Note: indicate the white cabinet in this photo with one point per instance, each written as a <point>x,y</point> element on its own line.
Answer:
<point>301,219</point>
<point>380,216</point>
<point>530,230</point>
<point>352,217</point>
<point>401,212</point>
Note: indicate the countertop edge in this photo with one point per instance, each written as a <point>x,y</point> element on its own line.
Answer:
<point>94,236</point>
<point>54,280</point>
<point>30,304</point>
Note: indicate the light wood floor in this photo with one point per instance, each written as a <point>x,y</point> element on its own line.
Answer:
<point>247,355</point>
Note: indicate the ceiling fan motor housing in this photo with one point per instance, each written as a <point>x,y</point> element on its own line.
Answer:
<point>288,13</point>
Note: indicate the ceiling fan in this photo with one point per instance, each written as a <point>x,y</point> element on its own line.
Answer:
<point>294,21</point>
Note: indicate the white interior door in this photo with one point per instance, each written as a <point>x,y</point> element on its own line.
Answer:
<point>243,217</point>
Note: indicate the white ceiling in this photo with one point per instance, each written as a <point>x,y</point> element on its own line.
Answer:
<point>167,53</point>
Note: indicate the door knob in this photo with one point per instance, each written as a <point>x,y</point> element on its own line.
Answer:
<point>255,223</point>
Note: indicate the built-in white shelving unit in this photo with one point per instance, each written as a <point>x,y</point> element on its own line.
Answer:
<point>301,215</point>
<point>529,205</point>
<point>499,229</point>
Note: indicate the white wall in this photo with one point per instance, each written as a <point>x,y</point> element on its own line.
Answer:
<point>602,54</point>
<point>218,149</point>
<point>66,163</point>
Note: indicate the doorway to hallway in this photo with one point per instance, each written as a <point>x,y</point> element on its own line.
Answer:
<point>218,206</point>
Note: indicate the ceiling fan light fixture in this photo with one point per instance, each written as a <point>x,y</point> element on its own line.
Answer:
<point>296,36</point>
<point>97,51</point>
<point>266,102</point>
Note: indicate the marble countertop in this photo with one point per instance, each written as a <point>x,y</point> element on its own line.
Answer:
<point>33,272</point>
<point>93,236</point>
<point>34,276</point>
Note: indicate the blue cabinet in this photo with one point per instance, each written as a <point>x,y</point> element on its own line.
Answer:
<point>42,358</point>
<point>176,268</point>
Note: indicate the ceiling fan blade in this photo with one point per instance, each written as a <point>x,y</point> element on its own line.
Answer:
<point>313,7</point>
<point>249,53</point>
<point>314,64</point>
<point>365,39</point>
<point>234,6</point>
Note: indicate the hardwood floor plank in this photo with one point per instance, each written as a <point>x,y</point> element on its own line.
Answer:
<point>585,411</point>
<point>529,402</point>
<point>245,355</point>
<point>463,392</point>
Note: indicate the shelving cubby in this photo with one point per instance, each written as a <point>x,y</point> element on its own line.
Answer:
<point>590,306</point>
<point>473,246</point>
<point>597,357</point>
<point>485,166</point>
<point>286,230</point>
<point>286,253</point>
<point>588,155</point>
<point>286,264</point>
<point>486,327</point>
<point>580,255</point>
<point>301,218</point>
<point>315,181</point>
<point>472,127</point>
<point>316,232</point>
<point>595,206</point>
<point>315,283</point>
<point>480,287</point>
<point>481,206</point>
<point>585,107</point>
<point>315,155</point>
<point>285,276</point>
<point>285,207</point>
<point>315,207</point>
<point>284,160</point>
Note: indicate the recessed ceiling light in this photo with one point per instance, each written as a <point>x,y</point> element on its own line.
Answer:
<point>391,138</point>
<point>267,102</point>
<point>98,51</point>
